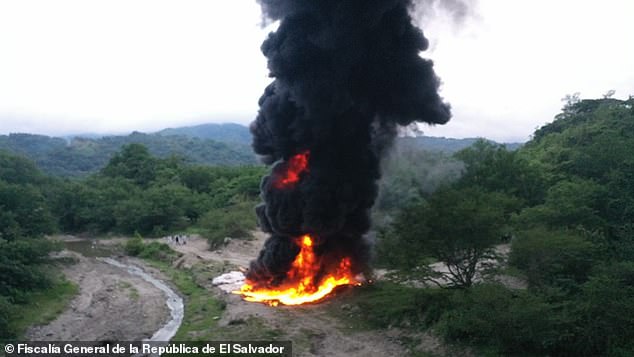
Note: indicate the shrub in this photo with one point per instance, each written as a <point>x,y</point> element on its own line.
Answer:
<point>605,312</point>
<point>5,315</point>
<point>393,304</point>
<point>134,246</point>
<point>153,250</point>
<point>22,266</point>
<point>158,251</point>
<point>235,221</point>
<point>555,258</point>
<point>512,321</point>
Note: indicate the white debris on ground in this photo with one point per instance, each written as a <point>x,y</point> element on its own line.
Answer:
<point>230,281</point>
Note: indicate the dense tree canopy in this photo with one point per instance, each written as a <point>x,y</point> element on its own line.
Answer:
<point>565,200</point>
<point>83,156</point>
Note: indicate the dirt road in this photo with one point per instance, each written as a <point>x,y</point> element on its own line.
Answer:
<point>111,305</point>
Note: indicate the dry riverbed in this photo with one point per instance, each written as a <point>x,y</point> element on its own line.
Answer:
<point>112,304</point>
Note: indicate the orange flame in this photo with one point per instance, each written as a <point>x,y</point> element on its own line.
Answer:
<point>297,164</point>
<point>300,286</point>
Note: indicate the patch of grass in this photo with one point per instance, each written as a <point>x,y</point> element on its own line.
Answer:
<point>42,306</point>
<point>202,309</point>
<point>385,304</point>
<point>133,293</point>
<point>191,230</point>
<point>124,285</point>
<point>251,328</point>
<point>158,251</point>
<point>150,251</point>
<point>204,272</point>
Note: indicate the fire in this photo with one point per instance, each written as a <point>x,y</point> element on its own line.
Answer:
<point>297,164</point>
<point>301,285</point>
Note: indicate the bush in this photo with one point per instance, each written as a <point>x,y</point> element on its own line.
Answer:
<point>5,315</point>
<point>134,246</point>
<point>554,258</point>
<point>22,266</point>
<point>235,221</point>
<point>394,304</point>
<point>605,312</point>
<point>511,321</point>
<point>158,251</point>
<point>153,250</point>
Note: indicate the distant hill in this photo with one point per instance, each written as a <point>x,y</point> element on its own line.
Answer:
<point>446,145</point>
<point>226,133</point>
<point>236,133</point>
<point>209,144</point>
<point>80,156</point>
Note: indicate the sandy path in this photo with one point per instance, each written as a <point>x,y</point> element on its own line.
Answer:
<point>111,305</point>
<point>313,328</point>
<point>237,252</point>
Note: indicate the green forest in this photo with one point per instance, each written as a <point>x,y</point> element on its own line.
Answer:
<point>135,193</point>
<point>565,204</point>
<point>538,240</point>
<point>80,157</point>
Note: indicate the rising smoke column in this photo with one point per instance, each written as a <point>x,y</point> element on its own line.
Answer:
<point>347,73</point>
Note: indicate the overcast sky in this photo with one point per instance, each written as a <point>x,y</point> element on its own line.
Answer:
<point>115,66</point>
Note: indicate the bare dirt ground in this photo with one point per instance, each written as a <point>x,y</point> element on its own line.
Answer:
<point>115,305</point>
<point>111,305</point>
<point>314,329</point>
<point>237,252</point>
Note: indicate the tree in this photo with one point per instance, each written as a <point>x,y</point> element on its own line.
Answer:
<point>458,227</point>
<point>134,162</point>
<point>233,221</point>
<point>23,211</point>
<point>553,257</point>
<point>494,168</point>
<point>16,169</point>
<point>605,310</point>
<point>568,204</point>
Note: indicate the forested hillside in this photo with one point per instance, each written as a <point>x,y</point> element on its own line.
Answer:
<point>82,156</point>
<point>25,216</point>
<point>565,204</point>
<point>207,144</point>
<point>235,133</point>
<point>227,133</point>
<point>441,144</point>
<point>135,193</point>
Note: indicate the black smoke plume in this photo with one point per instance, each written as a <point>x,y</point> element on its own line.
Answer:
<point>347,73</point>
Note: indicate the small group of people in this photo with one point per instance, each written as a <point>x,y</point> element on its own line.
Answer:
<point>179,239</point>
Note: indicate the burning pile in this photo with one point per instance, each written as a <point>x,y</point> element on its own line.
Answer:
<point>304,283</point>
<point>347,73</point>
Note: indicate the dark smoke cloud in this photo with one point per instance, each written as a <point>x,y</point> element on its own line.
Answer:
<point>347,73</point>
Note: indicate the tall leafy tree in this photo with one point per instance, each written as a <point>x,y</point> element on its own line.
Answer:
<point>458,227</point>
